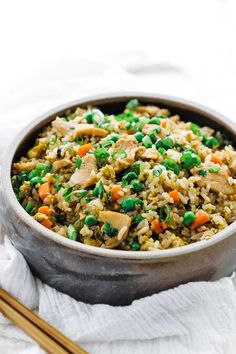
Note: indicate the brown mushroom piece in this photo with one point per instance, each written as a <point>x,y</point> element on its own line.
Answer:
<point>150,154</point>
<point>88,129</point>
<point>130,146</point>
<point>62,126</point>
<point>85,176</point>
<point>151,110</point>
<point>121,222</point>
<point>61,163</point>
<point>218,182</point>
<point>148,128</point>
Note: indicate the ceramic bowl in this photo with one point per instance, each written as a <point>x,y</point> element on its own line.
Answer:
<point>97,275</point>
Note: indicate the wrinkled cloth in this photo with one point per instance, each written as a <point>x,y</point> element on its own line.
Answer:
<point>197,317</point>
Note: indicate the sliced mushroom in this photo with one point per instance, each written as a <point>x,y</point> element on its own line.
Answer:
<point>61,163</point>
<point>129,145</point>
<point>151,153</point>
<point>62,126</point>
<point>88,129</point>
<point>151,110</point>
<point>148,128</point>
<point>25,166</point>
<point>218,182</point>
<point>86,175</point>
<point>119,221</point>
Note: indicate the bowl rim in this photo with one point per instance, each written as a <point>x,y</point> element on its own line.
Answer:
<point>10,199</point>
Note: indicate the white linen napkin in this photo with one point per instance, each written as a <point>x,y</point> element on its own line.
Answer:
<point>193,318</point>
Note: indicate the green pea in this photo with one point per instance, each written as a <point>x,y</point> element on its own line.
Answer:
<point>212,142</point>
<point>36,180</point>
<point>189,218</point>
<point>114,137</point>
<point>189,160</point>
<point>147,142</point>
<point>171,165</point>
<point>89,118</point>
<point>138,218</point>
<point>139,136</point>
<point>135,246</point>
<point>128,204</point>
<point>90,220</point>
<point>72,232</point>
<point>136,184</point>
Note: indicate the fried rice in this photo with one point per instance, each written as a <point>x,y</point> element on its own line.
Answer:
<point>140,180</point>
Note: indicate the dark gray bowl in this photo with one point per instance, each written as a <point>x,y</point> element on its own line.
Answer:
<point>97,275</point>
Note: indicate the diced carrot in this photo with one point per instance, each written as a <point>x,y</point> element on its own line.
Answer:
<point>45,210</point>
<point>44,190</point>
<point>83,149</point>
<point>47,223</point>
<point>130,131</point>
<point>216,159</point>
<point>175,196</point>
<point>158,226</point>
<point>200,219</point>
<point>115,192</point>
<point>163,123</point>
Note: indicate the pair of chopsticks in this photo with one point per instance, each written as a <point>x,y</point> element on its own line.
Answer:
<point>50,339</point>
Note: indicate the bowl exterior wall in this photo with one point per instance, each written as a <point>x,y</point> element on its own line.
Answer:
<point>96,279</point>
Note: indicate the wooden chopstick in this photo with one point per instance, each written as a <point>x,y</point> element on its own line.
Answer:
<point>41,331</point>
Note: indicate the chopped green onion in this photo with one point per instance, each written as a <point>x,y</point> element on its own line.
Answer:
<point>101,189</point>
<point>157,171</point>
<point>128,204</point>
<point>139,136</point>
<point>147,142</point>
<point>67,191</point>
<point>166,143</point>
<point>58,186</point>
<point>165,213</point>
<point>72,232</point>
<point>136,167</point>
<point>132,104</point>
<point>161,115</point>
<point>78,162</point>
<point>29,207</point>
<point>79,140</point>
<point>214,169</point>
<point>53,140</point>
<point>109,230</point>
<point>195,129</point>
<point>107,143</point>
<point>138,201</point>
<point>101,155</point>
<point>153,135</point>
<point>155,121</point>
<point>189,218</point>
<point>90,220</point>
<point>119,154</point>
<point>47,169</point>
